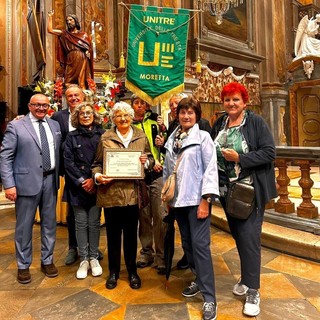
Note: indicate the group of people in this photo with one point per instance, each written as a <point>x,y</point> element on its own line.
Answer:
<point>238,147</point>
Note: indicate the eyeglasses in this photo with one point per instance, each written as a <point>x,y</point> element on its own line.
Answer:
<point>85,114</point>
<point>126,116</point>
<point>40,105</point>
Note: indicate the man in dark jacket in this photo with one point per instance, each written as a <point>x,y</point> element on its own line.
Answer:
<point>74,96</point>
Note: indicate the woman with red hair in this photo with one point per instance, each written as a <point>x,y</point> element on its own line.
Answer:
<point>245,151</point>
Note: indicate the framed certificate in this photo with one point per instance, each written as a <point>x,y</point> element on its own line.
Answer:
<point>122,164</point>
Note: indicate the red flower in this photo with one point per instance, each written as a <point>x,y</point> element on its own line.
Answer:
<point>50,112</point>
<point>92,85</point>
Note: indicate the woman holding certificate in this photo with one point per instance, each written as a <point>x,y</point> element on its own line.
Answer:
<point>119,195</point>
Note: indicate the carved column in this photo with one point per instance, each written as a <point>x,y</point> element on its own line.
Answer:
<point>274,100</point>
<point>272,33</point>
<point>284,204</point>
<point>306,209</point>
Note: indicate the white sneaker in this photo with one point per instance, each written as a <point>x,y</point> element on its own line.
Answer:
<point>83,269</point>
<point>252,306</point>
<point>96,269</point>
<point>239,289</point>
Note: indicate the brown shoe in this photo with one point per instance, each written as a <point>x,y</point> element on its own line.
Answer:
<point>49,270</point>
<point>24,276</point>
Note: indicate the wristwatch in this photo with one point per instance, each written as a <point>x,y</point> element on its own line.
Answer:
<point>208,199</point>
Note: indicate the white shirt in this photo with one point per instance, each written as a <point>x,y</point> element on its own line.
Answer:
<point>35,123</point>
<point>71,128</point>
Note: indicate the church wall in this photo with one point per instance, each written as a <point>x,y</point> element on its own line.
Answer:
<point>272,42</point>
<point>265,52</point>
<point>3,53</point>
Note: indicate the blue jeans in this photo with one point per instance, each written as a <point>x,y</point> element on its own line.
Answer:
<point>87,231</point>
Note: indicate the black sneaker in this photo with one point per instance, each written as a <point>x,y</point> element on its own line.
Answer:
<point>209,311</point>
<point>191,291</point>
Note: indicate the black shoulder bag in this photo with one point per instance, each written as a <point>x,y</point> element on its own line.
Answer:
<point>240,199</point>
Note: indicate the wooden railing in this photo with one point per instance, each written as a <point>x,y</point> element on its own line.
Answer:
<point>283,209</point>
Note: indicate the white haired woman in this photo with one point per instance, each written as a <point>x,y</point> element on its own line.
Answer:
<point>119,197</point>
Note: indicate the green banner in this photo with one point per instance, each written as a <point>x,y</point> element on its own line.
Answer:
<point>157,43</point>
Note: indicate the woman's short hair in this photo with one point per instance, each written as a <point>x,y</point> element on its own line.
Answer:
<point>135,97</point>
<point>97,119</point>
<point>190,102</point>
<point>121,106</point>
<point>235,87</point>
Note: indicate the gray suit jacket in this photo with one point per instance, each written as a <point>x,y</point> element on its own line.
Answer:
<point>21,159</point>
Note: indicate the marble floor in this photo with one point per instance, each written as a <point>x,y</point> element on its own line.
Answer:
<point>290,286</point>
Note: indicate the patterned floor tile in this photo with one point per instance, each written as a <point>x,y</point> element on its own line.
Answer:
<point>292,309</point>
<point>83,305</point>
<point>10,306</point>
<point>289,285</point>
<point>306,287</point>
<point>221,242</point>
<point>296,266</point>
<point>315,302</point>
<point>177,311</point>
<point>278,286</point>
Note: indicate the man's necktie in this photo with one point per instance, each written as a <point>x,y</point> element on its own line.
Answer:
<point>45,148</point>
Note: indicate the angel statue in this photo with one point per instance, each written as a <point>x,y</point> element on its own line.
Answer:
<point>306,43</point>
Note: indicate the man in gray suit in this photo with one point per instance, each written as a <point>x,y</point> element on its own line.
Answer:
<point>29,167</point>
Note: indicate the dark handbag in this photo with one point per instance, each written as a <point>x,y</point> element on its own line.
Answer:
<point>240,200</point>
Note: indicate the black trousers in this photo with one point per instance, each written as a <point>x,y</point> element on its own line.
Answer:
<point>247,235</point>
<point>122,221</point>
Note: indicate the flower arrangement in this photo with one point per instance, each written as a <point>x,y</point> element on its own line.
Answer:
<point>105,102</point>
<point>46,87</point>
<point>53,90</point>
<point>111,88</point>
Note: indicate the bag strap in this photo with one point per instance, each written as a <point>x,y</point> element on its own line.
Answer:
<point>177,164</point>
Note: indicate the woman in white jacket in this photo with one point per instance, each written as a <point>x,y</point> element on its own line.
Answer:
<point>196,187</point>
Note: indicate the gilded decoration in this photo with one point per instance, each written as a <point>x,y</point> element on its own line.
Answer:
<point>279,41</point>
<point>95,23</point>
<point>59,23</point>
<point>211,84</point>
<point>234,23</point>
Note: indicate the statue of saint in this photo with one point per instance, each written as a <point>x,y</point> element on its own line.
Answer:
<point>306,44</point>
<point>74,51</point>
